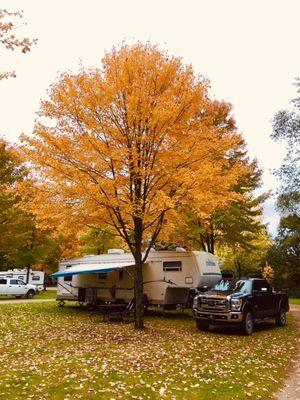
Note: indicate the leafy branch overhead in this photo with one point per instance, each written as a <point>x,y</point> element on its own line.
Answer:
<point>9,39</point>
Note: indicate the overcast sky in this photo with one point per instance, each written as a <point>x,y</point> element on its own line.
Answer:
<point>248,49</point>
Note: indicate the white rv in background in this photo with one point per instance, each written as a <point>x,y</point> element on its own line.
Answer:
<point>36,278</point>
<point>168,277</point>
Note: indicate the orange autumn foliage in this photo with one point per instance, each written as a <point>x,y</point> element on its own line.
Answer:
<point>128,144</point>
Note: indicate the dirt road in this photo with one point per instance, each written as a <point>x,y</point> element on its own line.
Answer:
<point>291,388</point>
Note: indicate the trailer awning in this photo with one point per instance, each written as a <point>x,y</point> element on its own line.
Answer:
<point>81,269</point>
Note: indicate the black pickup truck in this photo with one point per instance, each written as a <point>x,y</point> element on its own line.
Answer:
<point>240,303</point>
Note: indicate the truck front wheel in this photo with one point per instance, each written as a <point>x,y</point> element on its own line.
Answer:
<point>281,317</point>
<point>202,325</point>
<point>30,294</point>
<point>248,323</point>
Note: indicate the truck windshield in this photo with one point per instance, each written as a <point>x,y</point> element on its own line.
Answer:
<point>244,286</point>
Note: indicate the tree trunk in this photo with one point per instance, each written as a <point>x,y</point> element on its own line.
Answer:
<point>202,241</point>
<point>212,243</point>
<point>28,273</point>
<point>238,267</point>
<point>138,276</point>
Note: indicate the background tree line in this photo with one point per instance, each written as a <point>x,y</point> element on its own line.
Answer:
<point>284,255</point>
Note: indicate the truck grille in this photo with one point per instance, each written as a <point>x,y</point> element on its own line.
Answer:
<point>213,304</point>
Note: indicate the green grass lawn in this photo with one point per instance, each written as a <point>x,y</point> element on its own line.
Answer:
<point>45,294</point>
<point>48,352</point>
<point>294,301</point>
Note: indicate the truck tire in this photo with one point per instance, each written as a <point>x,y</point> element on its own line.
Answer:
<point>248,323</point>
<point>202,325</point>
<point>30,294</point>
<point>281,317</point>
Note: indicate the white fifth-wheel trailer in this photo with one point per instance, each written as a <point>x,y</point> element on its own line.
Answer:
<point>168,277</point>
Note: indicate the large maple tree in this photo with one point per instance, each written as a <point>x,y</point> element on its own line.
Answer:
<point>128,143</point>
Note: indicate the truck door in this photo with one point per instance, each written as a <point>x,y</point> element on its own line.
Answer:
<point>264,301</point>
<point>15,287</point>
<point>3,286</point>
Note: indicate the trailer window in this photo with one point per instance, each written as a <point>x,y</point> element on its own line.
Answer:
<point>68,278</point>
<point>172,266</point>
<point>102,275</point>
<point>35,278</point>
<point>121,275</point>
<point>3,281</point>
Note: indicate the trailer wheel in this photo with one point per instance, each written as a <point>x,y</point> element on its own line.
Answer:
<point>61,303</point>
<point>145,302</point>
<point>202,325</point>
<point>30,294</point>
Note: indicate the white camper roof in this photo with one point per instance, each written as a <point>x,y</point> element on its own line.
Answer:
<point>81,269</point>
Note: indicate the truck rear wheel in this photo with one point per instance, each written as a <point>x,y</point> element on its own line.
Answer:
<point>248,323</point>
<point>281,317</point>
<point>202,325</point>
<point>30,294</point>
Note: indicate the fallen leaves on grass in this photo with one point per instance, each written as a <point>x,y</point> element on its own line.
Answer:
<point>51,353</point>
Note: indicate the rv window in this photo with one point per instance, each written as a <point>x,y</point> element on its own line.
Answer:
<point>3,281</point>
<point>121,275</point>
<point>68,278</point>
<point>14,282</point>
<point>21,277</point>
<point>170,266</point>
<point>35,278</point>
<point>102,275</point>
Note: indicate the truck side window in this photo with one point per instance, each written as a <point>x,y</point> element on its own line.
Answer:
<point>172,266</point>
<point>14,282</point>
<point>261,286</point>
<point>3,281</point>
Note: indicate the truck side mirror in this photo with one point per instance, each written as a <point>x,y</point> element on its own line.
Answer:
<point>203,289</point>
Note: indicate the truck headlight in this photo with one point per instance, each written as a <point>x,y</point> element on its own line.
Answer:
<point>236,304</point>
<point>196,301</point>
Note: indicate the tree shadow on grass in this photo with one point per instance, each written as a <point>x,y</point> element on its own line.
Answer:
<point>169,314</point>
<point>229,330</point>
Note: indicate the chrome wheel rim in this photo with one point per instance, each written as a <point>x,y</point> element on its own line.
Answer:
<point>249,323</point>
<point>282,317</point>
